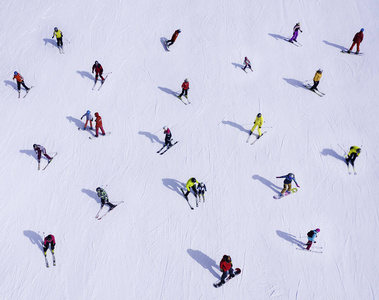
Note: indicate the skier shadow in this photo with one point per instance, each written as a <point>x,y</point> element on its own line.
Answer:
<point>205,261</point>
<point>290,238</point>
<point>34,238</point>
<point>333,153</point>
<point>28,152</point>
<point>267,183</point>
<point>235,125</point>
<point>86,74</point>
<point>277,36</point>
<point>153,138</point>
<point>168,91</point>
<point>163,41</point>
<point>78,123</point>
<point>173,185</point>
<point>294,82</point>
<point>334,45</point>
<point>11,83</point>
<point>91,194</point>
<point>50,41</point>
<point>237,65</point>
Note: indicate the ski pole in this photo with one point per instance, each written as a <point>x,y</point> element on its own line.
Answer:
<point>107,73</point>
<point>66,40</point>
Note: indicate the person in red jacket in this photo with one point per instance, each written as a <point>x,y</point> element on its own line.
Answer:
<point>358,38</point>
<point>173,38</point>
<point>185,88</point>
<point>98,70</point>
<point>99,124</point>
<point>20,81</point>
<point>226,268</point>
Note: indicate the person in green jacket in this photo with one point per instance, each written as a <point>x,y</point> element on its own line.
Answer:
<point>191,183</point>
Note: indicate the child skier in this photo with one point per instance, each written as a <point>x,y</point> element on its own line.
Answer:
<point>201,189</point>
<point>173,38</point>
<point>88,118</point>
<point>287,183</point>
<point>191,183</point>
<point>311,237</point>
<point>59,36</point>
<point>102,194</point>
<point>358,38</point>
<point>352,155</point>
<point>49,241</point>
<point>316,80</point>
<point>296,29</point>
<point>98,70</point>
<point>39,150</point>
<point>20,81</point>
<point>185,88</point>
<point>168,137</point>
<point>226,267</point>
<point>99,124</point>
<point>258,122</point>
<point>247,64</point>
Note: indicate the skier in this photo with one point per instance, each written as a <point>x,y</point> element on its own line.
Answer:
<point>247,64</point>
<point>20,81</point>
<point>49,241</point>
<point>226,267</point>
<point>316,80</point>
<point>191,183</point>
<point>287,182</point>
<point>311,237</point>
<point>296,29</point>
<point>358,38</point>
<point>99,124</point>
<point>167,139</point>
<point>201,189</point>
<point>39,150</point>
<point>88,118</point>
<point>102,194</point>
<point>352,155</point>
<point>185,88</point>
<point>258,122</point>
<point>59,36</point>
<point>173,38</point>
<point>98,70</point>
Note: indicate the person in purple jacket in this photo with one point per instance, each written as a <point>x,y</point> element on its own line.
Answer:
<point>311,237</point>
<point>287,182</point>
<point>49,240</point>
<point>295,32</point>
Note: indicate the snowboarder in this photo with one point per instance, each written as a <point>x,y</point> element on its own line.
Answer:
<point>168,137</point>
<point>102,194</point>
<point>185,88</point>
<point>99,124</point>
<point>296,29</point>
<point>49,241</point>
<point>311,237</point>
<point>173,38</point>
<point>226,267</point>
<point>287,182</point>
<point>316,80</point>
<point>201,189</point>
<point>98,70</point>
<point>191,183</point>
<point>20,81</point>
<point>39,150</point>
<point>258,122</point>
<point>352,155</point>
<point>358,38</point>
<point>247,64</point>
<point>59,36</point>
<point>88,118</point>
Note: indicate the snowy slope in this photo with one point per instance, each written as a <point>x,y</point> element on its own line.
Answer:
<point>154,246</point>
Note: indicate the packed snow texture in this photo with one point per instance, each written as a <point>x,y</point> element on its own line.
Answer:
<point>154,246</point>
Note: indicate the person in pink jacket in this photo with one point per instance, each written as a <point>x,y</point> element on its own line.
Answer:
<point>49,241</point>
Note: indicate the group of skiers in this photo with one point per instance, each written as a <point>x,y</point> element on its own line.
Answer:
<point>98,122</point>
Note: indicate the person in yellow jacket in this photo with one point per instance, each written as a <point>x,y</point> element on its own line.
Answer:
<point>352,155</point>
<point>59,36</point>
<point>316,80</point>
<point>258,122</point>
<point>191,183</point>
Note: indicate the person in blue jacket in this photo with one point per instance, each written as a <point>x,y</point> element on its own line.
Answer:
<point>311,237</point>
<point>287,183</point>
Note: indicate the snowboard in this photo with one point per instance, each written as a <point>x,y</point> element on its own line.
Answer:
<point>236,272</point>
<point>294,190</point>
<point>345,51</point>
<point>100,135</point>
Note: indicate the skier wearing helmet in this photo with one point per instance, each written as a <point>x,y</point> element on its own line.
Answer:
<point>59,36</point>
<point>357,40</point>
<point>39,150</point>
<point>352,155</point>
<point>99,124</point>
<point>247,64</point>
<point>88,118</point>
<point>168,137</point>
<point>287,183</point>
<point>311,237</point>
<point>316,80</point>
<point>258,122</point>
<point>98,71</point>
<point>185,88</point>
<point>296,29</point>
<point>102,194</point>
<point>49,241</point>
<point>173,38</point>
<point>20,81</point>
<point>191,183</point>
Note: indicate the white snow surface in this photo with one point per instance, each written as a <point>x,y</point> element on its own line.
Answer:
<point>154,246</point>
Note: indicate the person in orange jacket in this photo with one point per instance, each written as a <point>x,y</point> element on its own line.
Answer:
<point>185,88</point>
<point>99,124</point>
<point>226,267</point>
<point>358,38</point>
<point>173,38</point>
<point>20,81</point>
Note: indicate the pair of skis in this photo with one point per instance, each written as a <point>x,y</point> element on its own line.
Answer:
<point>60,48</point>
<point>168,147</point>
<point>47,262</point>
<point>102,82</point>
<point>296,43</point>
<point>313,249</point>
<point>257,138</point>
<point>27,92</point>
<point>317,92</point>
<point>39,165</point>
<point>98,214</point>
<point>180,98</point>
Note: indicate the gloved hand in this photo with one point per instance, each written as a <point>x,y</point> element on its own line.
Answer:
<point>81,118</point>
<point>297,185</point>
<point>278,177</point>
<point>52,37</point>
<point>39,161</point>
<point>92,71</point>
